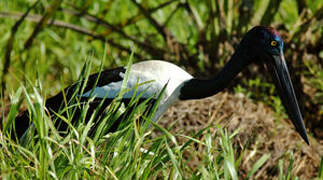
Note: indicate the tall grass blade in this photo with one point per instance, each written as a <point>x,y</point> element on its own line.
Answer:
<point>320,175</point>
<point>290,166</point>
<point>14,109</point>
<point>173,159</point>
<point>257,165</point>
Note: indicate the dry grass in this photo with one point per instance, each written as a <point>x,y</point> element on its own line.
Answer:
<point>259,131</point>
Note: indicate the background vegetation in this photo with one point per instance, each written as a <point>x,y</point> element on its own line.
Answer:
<point>44,45</point>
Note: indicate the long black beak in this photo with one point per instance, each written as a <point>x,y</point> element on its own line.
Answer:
<point>280,74</point>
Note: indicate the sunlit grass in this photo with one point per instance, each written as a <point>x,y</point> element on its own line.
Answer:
<point>129,153</point>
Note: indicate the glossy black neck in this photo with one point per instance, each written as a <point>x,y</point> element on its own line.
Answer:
<point>197,88</point>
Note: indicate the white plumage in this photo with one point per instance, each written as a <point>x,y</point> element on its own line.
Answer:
<point>157,73</point>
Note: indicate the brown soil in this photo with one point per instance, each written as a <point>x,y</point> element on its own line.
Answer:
<point>260,131</point>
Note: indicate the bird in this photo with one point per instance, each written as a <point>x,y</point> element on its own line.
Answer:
<point>261,44</point>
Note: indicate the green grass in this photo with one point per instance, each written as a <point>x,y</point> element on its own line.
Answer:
<point>117,155</point>
<point>57,55</point>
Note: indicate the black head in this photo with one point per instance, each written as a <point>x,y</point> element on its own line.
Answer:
<point>261,40</point>
<point>264,44</point>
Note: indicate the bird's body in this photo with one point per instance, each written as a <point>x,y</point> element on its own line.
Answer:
<point>146,79</point>
<point>261,44</point>
<point>150,77</point>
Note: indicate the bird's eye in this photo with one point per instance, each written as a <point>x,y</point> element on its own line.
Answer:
<point>273,43</point>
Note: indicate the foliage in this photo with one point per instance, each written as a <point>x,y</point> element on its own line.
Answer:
<point>44,51</point>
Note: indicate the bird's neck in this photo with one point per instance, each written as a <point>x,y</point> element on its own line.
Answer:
<point>197,88</point>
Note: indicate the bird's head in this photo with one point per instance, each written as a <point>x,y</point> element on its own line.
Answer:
<point>264,45</point>
<point>260,42</point>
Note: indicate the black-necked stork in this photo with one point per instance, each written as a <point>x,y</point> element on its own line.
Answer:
<point>260,44</point>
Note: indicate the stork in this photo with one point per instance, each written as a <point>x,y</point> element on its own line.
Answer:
<point>259,45</point>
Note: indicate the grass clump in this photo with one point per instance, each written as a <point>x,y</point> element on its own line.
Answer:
<point>132,152</point>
